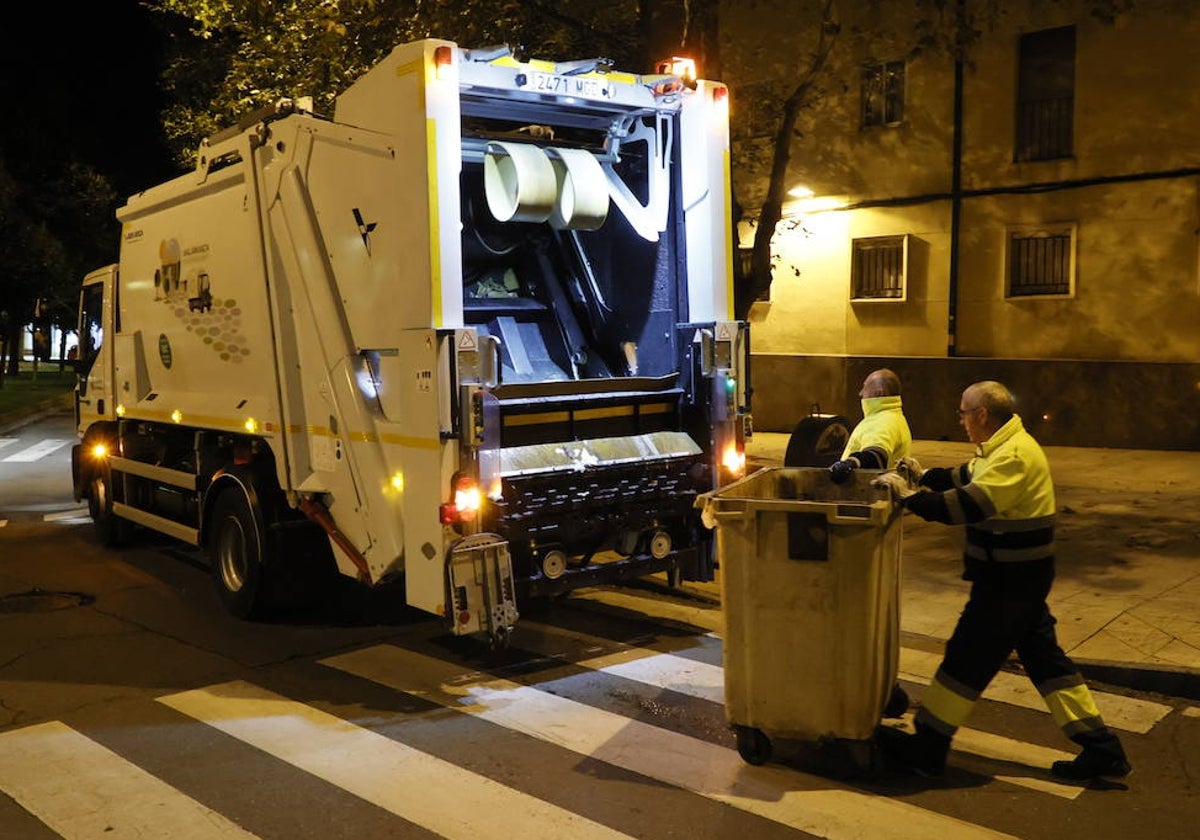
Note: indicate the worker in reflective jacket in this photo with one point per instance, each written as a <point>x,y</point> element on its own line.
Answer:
<point>879,442</point>
<point>882,438</point>
<point>1005,497</point>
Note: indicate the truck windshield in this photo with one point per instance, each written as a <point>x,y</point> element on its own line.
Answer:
<point>91,329</point>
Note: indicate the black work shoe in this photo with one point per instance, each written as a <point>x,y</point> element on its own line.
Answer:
<point>922,754</point>
<point>1092,764</point>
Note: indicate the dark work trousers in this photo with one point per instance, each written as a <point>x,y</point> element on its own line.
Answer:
<point>1007,611</point>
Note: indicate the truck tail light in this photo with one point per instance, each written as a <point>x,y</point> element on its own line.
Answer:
<point>467,500</point>
<point>733,459</point>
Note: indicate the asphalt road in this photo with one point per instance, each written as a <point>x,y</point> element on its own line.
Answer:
<point>131,706</point>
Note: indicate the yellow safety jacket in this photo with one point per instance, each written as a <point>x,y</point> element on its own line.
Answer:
<point>883,428</point>
<point>1009,482</point>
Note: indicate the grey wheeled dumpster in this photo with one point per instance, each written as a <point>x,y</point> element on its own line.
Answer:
<point>810,575</point>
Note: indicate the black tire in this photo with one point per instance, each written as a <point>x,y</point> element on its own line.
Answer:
<point>235,549</point>
<point>111,530</point>
<point>753,745</point>
<point>817,441</point>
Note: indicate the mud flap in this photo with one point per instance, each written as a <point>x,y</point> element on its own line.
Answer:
<point>482,594</point>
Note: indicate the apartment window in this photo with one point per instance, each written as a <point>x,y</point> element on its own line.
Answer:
<point>878,265</point>
<point>1041,261</point>
<point>883,94</point>
<point>1046,95</point>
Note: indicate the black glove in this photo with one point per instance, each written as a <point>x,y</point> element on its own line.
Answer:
<point>840,472</point>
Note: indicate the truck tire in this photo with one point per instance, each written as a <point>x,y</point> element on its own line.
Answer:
<point>235,548</point>
<point>111,529</point>
<point>817,441</point>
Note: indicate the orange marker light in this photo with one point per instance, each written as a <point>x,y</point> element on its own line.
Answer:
<point>684,68</point>
<point>733,459</point>
<point>443,60</point>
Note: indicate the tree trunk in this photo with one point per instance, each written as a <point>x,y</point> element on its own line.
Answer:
<point>757,283</point>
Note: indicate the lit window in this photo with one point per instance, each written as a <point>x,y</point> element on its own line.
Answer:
<point>1041,261</point>
<point>878,265</point>
<point>883,94</point>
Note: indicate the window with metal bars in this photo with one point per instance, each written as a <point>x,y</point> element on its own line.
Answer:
<point>877,267</point>
<point>883,94</point>
<point>1041,262</point>
<point>1046,95</point>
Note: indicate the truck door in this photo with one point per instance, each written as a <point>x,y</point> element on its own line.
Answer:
<point>94,381</point>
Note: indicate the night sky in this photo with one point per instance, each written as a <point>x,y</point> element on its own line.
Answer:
<point>81,80</point>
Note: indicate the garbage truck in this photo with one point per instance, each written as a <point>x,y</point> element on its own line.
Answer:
<point>472,333</point>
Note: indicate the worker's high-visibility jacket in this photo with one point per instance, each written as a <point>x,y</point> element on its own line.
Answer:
<point>882,438</point>
<point>1005,497</point>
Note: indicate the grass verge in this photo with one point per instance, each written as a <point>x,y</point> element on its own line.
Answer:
<point>23,392</point>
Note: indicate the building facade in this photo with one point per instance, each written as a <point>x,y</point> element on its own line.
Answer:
<point>1025,208</point>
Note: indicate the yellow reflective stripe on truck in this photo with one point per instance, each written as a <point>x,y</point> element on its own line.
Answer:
<point>730,310</point>
<point>435,244</point>
<point>371,437</point>
<point>233,424</point>
<point>587,414</point>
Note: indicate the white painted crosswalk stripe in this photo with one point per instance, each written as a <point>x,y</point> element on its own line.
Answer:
<point>699,679</point>
<point>663,670</point>
<point>84,791</point>
<point>452,801</point>
<point>1119,712</point>
<point>7,441</point>
<point>689,763</point>
<point>69,517</point>
<point>38,450</point>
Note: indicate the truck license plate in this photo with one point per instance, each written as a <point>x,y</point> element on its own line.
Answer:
<point>568,85</point>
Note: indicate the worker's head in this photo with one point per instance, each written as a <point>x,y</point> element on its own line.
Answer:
<point>880,383</point>
<point>984,408</point>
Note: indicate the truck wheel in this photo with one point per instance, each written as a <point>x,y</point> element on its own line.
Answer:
<point>236,553</point>
<point>817,441</point>
<point>111,530</point>
<point>753,745</point>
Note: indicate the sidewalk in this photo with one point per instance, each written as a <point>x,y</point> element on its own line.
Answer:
<point>1127,595</point>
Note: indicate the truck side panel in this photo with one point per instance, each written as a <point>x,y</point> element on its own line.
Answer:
<point>192,283</point>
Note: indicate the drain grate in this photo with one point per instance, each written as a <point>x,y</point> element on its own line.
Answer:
<point>39,600</point>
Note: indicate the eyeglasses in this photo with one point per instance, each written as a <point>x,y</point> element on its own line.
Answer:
<point>961,411</point>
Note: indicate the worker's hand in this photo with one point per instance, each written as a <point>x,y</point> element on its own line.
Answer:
<point>841,471</point>
<point>911,469</point>
<point>895,483</point>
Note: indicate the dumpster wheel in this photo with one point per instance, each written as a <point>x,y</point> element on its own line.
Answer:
<point>752,745</point>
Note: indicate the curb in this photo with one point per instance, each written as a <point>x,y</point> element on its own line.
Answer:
<point>1174,681</point>
<point>14,420</point>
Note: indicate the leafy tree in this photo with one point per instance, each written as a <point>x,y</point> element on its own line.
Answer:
<point>228,58</point>
<point>54,227</point>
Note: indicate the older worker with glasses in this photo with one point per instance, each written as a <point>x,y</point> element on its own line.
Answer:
<point>1005,498</point>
